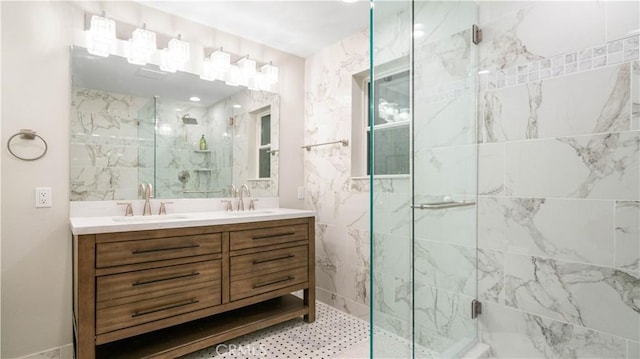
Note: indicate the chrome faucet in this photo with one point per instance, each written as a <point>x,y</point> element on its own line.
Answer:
<point>146,189</point>
<point>241,190</point>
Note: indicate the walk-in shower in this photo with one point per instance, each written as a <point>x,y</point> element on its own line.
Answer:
<point>505,178</point>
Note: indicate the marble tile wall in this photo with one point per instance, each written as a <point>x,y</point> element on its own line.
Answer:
<point>342,204</point>
<point>559,179</point>
<point>105,144</point>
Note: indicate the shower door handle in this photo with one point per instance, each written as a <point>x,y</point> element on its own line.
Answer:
<point>444,205</point>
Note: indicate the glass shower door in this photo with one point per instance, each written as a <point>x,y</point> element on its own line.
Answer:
<point>424,248</point>
<point>444,176</point>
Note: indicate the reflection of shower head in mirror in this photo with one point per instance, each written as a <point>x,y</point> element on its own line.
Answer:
<point>189,120</point>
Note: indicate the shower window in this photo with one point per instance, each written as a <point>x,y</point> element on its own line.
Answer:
<point>390,124</point>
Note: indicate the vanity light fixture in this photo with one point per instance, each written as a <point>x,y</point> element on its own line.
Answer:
<point>175,56</point>
<point>247,71</point>
<point>234,76</point>
<point>101,36</point>
<point>142,45</point>
<point>270,72</point>
<point>216,66</point>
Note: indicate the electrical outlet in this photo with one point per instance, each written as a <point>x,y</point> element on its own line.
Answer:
<point>300,192</point>
<point>43,197</point>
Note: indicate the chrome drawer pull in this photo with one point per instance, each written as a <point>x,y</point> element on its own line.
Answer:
<point>143,282</point>
<point>166,307</point>
<point>273,259</point>
<point>140,251</point>
<point>274,282</point>
<point>274,235</point>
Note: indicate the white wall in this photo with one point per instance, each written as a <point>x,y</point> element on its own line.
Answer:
<point>36,255</point>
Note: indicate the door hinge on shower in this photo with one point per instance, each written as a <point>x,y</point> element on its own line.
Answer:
<point>476,308</point>
<point>476,34</point>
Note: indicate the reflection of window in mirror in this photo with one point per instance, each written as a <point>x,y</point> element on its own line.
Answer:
<point>264,145</point>
<point>391,122</point>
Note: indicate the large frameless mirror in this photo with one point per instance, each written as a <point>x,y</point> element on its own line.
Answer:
<point>188,137</point>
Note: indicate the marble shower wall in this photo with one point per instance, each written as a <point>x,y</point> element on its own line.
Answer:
<point>105,144</point>
<point>559,179</point>
<point>342,204</point>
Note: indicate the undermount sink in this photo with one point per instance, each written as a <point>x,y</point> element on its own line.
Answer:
<point>151,218</point>
<point>251,212</point>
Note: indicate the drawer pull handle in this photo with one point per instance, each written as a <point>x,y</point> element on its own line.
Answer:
<point>273,282</point>
<point>273,259</point>
<point>274,235</point>
<point>143,282</point>
<point>166,307</point>
<point>141,251</point>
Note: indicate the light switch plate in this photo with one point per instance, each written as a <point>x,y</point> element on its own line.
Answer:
<point>300,192</point>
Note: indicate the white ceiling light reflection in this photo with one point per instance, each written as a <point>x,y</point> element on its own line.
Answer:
<point>418,31</point>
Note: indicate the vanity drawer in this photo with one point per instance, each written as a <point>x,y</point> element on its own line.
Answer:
<point>158,280</point>
<point>250,265</point>
<point>131,314</point>
<point>268,236</point>
<point>248,287</point>
<point>147,250</point>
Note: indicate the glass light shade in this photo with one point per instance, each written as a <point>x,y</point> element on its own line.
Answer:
<point>142,45</point>
<point>261,82</point>
<point>216,66</point>
<point>247,67</point>
<point>234,77</point>
<point>175,56</point>
<point>180,50</point>
<point>271,73</point>
<point>168,62</point>
<point>101,36</point>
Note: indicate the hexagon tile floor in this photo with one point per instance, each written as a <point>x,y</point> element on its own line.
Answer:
<point>334,334</point>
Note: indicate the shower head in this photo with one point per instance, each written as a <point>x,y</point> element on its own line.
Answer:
<point>189,120</point>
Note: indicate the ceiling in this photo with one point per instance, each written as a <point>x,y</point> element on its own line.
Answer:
<point>297,27</point>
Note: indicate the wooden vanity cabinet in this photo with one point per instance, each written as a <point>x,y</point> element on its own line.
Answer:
<point>168,292</point>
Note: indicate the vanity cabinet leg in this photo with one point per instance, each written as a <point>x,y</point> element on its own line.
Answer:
<point>84,296</point>
<point>310,292</point>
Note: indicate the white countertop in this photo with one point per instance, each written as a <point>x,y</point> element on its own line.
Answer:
<point>111,224</point>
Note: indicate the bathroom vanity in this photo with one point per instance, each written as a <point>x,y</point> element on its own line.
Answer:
<point>163,288</point>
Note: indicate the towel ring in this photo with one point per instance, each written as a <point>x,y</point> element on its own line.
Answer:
<point>26,134</point>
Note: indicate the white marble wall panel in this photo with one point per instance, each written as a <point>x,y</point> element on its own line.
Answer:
<point>446,171</point>
<point>635,96</point>
<point>445,123</point>
<point>595,167</point>
<point>574,230</point>
<point>444,61</point>
<point>516,334</point>
<point>519,37</point>
<point>490,276</point>
<point>451,225</point>
<point>392,31</point>
<point>623,19</point>
<point>627,235</point>
<point>600,298</point>
<point>464,13</point>
<point>589,102</point>
<point>433,266</point>
<point>491,169</point>
<point>441,318</point>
